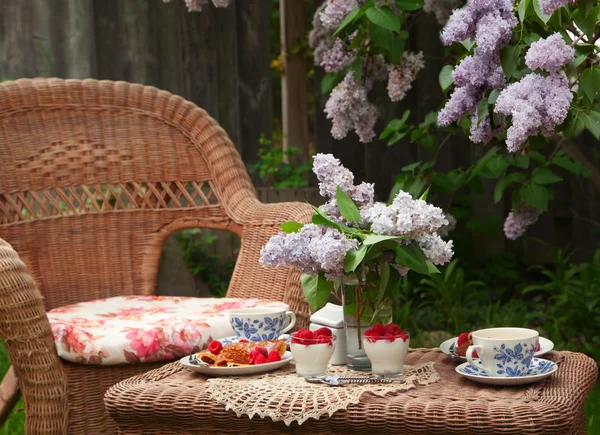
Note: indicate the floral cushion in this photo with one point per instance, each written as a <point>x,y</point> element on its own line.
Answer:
<point>140,329</point>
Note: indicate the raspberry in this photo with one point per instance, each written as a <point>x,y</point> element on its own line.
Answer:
<point>393,329</point>
<point>322,331</point>
<point>303,336</point>
<point>372,337</point>
<point>462,338</point>
<point>323,339</point>
<point>403,335</point>
<point>379,329</point>
<point>215,347</point>
<point>274,356</point>
<point>475,354</point>
<point>389,337</point>
<point>538,348</point>
<point>243,340</point>
<point>260,359</point>
<point>262,351</point>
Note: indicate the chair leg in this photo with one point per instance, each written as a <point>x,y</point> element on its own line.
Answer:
<point>9,394</point>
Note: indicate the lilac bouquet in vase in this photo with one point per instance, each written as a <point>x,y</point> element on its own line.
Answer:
<point>359,250</point>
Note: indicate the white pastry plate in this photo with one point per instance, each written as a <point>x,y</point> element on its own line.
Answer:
<point>448,347</point>
<point>237,370</point>
<point>539,369</point>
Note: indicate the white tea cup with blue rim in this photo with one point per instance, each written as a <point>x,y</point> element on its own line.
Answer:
<point>504,352</point>
<point>257,324</point>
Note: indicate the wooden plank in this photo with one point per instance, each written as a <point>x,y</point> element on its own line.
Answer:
<point>17,52</point>
<point>166,16</point>
<point>255,87</point>
<point>125,41</point>
<point>294,84</point>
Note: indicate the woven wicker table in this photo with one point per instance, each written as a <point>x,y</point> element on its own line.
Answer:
<point>173,400</point>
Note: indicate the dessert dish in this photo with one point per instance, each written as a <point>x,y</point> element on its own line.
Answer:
<point>242,353</point>
<point>312,351</point>
<point>386,346</point>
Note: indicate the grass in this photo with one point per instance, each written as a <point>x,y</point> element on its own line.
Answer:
<point>592,411</point>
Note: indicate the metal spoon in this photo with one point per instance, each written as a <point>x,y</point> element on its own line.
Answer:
<point>336,381</point>
<point>193,359</point>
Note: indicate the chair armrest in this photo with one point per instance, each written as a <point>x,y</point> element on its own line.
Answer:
<point>27,335</point>
<point>250,279</point>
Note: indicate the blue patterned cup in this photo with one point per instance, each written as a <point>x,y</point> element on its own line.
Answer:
<point>257,324</point>
<point>504,352</point>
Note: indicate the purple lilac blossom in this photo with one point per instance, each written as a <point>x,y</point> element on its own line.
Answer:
<point>401,76</point>
<point>337,58</point>
<point>549,54</point>
<point>437,250</point>
<point>535,102</point>
<point>312,249</point>
<point>516,223</point>
<point>348,108</point>
<point>441,8</point>
<point>336,10</point>
<point>549,6</point>
<point>319,38</point>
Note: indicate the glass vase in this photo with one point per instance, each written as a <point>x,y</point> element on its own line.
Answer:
<point>362,310</point>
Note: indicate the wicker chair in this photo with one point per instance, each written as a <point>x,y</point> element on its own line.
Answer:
<point>95,176</point>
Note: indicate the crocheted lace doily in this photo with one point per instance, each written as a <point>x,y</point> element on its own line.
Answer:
<point>283,396</point>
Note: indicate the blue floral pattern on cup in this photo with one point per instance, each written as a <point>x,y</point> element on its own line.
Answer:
<point>513,362</point>
<point>538,367</point>
<point>256,330</point>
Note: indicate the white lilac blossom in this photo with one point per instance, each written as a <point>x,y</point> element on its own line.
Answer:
<point>535,103</point>
<point>406,216</point>
<point>337,57</point>
<point>319,38</point>
<point>441,8</point>
<point>517,222</point>
<point>348,109</point>
<point>401,76</point>
<point>449,227</point>
<point>489,23</point>
<point>438,251</point>
<point>549,6</point>
<point>336,10</point>
<point>549,54</point>
<point>314,248</point>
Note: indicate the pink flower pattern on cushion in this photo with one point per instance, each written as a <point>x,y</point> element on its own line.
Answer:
<point>142,329</point>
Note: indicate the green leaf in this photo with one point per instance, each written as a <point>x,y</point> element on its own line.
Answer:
<point>356,67</point>
<point>328,82</point>
<point>381,37</point>
<point>431,267</point>
<point>384,278</point>
<point>413,257</point>
<point>544,176</point>
<point>373,239</point>
<point>346,206</point>
<point>316,290</point>
<point>291,227</point>
<point>506,181</point>
<point>348,20</point>
<point>574,124</point>
<point>587,23</point>
<point>497,165</point>
<point>590,83</point>
<point>509,59</point>
<point>411,167</point>
<point>592,122</point>
<point>493,96</point>
<point>482,162</point>
<point>578,61</point>
<point>523,4</point>
<point>585,6</point>
<point>445,77</point>
<point>354,258</point>
<point>410,5</point>
<point>535,195</point>
<point>424,196</point>
<point>521,161</point>
<point>569,164</point>
<point>385,18</point>
<point>468,44</point>
<point>536,6</point>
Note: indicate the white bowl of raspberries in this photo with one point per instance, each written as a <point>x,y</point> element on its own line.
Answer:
<point>386,346</point>
<point>312,350</point>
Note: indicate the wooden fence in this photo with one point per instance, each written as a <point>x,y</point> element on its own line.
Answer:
<point>220,59</point>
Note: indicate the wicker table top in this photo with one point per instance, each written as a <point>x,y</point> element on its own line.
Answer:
<point>172,400</point>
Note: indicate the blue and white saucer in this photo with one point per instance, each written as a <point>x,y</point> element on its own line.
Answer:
<point>235,338</point>
<point>539,369</point>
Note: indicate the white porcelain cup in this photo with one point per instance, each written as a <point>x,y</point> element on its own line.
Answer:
<point>257,324</point>
<point>504,352</point>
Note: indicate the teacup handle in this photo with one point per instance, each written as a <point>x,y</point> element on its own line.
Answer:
<point>290,319</point>
<point>471,360</point>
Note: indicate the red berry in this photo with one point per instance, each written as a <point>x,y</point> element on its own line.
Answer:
<point>393,329</point>
<point>379,329</point>
<point>322,331</point>
<point>323,339</point>
<point>462,338</point>
<point>538,348</point>
<point>475,354</point>
<point>303,336</point>
<point>260,359</point>
<point>274,356</point>
<point>404,335</point>
<point>389,337</point>
<point>243,340</point>
<point>262,351</point>
<point>215,347</point>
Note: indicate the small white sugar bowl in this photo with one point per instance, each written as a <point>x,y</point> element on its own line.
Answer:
<point>332,316</point>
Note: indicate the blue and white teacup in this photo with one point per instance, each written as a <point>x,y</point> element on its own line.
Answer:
<point>257,324</point>
<point>504,352</point>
